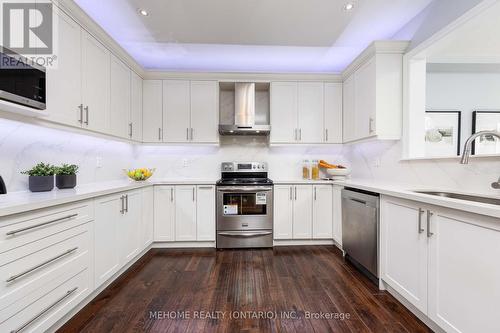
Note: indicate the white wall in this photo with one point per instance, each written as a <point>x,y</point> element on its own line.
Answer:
<point>466,92</point>
<point>23,145</point>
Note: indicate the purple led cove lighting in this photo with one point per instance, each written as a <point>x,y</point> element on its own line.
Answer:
<point>372,20</point>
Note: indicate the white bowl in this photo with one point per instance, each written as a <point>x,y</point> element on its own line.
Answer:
<point>339,172</point>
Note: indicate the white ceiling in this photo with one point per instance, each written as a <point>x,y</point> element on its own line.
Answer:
<point>249,35</point>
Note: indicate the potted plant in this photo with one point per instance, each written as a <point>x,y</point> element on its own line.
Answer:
<point>41,177</point>
<point>66,176</point>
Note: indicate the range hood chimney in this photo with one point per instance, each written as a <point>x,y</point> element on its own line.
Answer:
<point>244,113</point>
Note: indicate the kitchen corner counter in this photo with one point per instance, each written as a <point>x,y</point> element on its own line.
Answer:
<point>20,202</point>
<point>405,191</point>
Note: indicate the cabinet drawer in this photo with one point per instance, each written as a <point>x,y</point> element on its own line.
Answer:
<point>26,269</point>
<point>18,230</point>
<point>46,305</point>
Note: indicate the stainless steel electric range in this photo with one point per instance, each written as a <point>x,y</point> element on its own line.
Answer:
<point>244,206</point>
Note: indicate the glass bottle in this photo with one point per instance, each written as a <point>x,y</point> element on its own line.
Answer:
<point>306,170</point>
<point>315,169</point>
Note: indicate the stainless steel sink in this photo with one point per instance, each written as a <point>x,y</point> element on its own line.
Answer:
<point>465,197</point>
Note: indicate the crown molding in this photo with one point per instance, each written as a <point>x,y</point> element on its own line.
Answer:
<point>242,76</point>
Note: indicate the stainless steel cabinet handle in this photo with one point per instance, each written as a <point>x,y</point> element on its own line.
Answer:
<point>295,134</point>
<point>130,129</point>
<point>429,216</point>
<point>172,194</point>
<point>420,213</point>
<point>80,107</point>
<point>43,264</point>
<point>122,201</point>
<point>44,311</point>
<point>13,232</point>
<point>159,134</point>
<point>295,193</point>
<point>326,134</point>
<point>126,203</point>
<point>86,115</point>
<point>300,134</point>
<point>358,201</point>
<point>205,187</point>
<point>193,194</point>
<point>245,189</point>
<point>291,193</point>
<point>192,133</point>
<point>371,121</point>
<point>315,193</point>
<point>187,134</point>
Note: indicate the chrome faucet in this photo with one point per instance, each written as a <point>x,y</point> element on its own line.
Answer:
<point>467,150</point>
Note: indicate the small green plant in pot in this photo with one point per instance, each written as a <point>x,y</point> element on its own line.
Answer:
<point>41,177</point>
<point>66,176</point>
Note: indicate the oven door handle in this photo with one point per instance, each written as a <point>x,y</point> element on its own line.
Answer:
<point>245,234</point>
<point>245,189</point>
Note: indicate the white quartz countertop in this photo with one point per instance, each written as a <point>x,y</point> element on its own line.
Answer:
<point>406,192</point>
<point>19,202</point>
<point>303,181</point>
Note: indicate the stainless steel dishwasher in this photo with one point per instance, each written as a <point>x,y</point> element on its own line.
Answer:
<point>360,229</point>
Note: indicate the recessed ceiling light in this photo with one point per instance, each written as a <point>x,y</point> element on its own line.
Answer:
<point>348,6</point>
<point>143,12</point>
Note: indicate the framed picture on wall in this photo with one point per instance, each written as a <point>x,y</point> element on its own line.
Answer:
<point>487,120</point>
<point>442,132</point>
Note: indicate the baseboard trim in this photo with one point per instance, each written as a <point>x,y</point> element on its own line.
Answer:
<point>181,245</point>
<point>303,242</point>
<point>419,314</point>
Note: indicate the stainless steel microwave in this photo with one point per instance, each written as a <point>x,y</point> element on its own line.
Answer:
<point>21,82</point>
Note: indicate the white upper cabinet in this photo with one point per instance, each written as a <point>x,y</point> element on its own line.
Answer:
<point>322,212</point>
<point>152,127</point>
<point>306,112</point>
<point>204,112</point>
<point>373,98</point>
<point>283,112</point>
<point>120,99</point>
<point>176,111</point>
<point>135,122</point>
<point>95,84</point>
<point>310,112</point>
<point>64,83</point>
<point>333,113</point>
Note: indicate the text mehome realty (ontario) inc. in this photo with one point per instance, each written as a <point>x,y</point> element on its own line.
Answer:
<point>228,315</point>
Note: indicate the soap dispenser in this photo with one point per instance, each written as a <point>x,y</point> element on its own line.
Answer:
<point>3,189</point>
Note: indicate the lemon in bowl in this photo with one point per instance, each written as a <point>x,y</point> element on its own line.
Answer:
<point>139,174</point>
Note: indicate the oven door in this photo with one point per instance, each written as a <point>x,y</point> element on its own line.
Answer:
<point>244,207</point>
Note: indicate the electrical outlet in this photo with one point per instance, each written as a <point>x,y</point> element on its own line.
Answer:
<point>185,163</point>
<point>376,162</point>
<point>98,162</point>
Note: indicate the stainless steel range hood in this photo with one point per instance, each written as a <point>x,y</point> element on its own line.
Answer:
<point>245,113</point>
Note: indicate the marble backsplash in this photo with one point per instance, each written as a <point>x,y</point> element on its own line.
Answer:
<point>380,161</point>
<point>23,145</point>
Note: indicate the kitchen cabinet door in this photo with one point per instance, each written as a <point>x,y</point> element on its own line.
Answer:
<point>365,96</point>
<point>152,106</point>
<point>135,125</point>
<point>95,84</point>
<point>205,213</point>
<point>147,222</point>
<point>403,249</point>
<point>310,112</point>
<point>129,230</point>
<point>176,111</point>
<point>185,213</point>
<point>164,213</point>
<point>283,212</point>
<point>322,212</point>
<point>348,110</point>
<point>464,274</point>
<point>337,214</point>
<point>204,112</point>
<point>108,218</point>
<point>333,113</point>
<point>119,99</point>
<point>64,82</point>
<point>302,211</point>
<point>283,112</point>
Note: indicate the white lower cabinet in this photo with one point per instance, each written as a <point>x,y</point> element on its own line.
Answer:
<point>444,262</point>
<point>303,212</point>
<point>129,227</point>
<point>184,213</point>
<point>147,223</point>
<point>337,214</point>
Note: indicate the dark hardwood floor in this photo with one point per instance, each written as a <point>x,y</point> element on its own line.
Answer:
<point>167,290</point>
